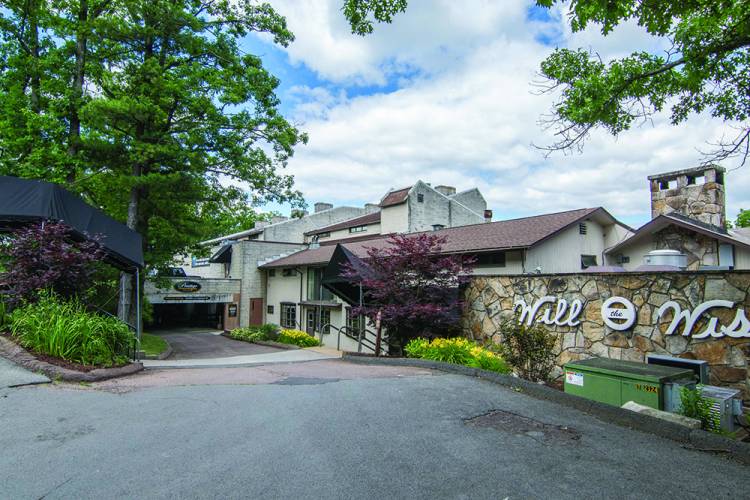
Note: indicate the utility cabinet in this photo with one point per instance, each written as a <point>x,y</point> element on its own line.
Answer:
<point>616,382</point>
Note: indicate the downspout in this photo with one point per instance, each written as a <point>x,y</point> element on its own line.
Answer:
<point>296,269</point>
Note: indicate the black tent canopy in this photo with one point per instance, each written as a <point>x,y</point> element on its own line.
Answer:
<point>24,200</point>
<point>338,285</point>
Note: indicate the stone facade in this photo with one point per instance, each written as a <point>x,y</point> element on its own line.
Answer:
<point>489,300</point>
<point>699,249</point>
<point>696,193</point>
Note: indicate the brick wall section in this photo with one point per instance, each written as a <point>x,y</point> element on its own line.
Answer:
<point>490,299</point>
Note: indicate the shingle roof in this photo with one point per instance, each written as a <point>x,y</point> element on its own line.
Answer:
<point>395,197</point>
<point>483,237</point>
<point>362,220</point>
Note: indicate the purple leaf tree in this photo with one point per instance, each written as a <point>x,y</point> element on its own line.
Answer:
<point>413,285</point>
<point>45,256</point>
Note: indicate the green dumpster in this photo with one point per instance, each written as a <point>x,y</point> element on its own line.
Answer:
<point>616,382</point>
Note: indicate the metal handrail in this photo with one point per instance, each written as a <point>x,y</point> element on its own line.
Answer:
<point>360,337</point>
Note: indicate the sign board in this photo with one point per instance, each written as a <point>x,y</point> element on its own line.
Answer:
<point>618,318</point>
<point>216,298</point>
<point>232,310</point>
<point>187,286</point>
<point>574,378</point>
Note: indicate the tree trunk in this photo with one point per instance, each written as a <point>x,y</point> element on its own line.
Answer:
<point>126,305</point>
<point>34,53</point>
<point>74,133</point>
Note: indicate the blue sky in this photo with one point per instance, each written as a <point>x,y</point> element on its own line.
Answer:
<point>445,95</point>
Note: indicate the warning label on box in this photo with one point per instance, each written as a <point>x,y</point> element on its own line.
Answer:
<point>574,378</point>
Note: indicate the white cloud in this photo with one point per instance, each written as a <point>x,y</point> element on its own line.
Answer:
<point>465,114</point>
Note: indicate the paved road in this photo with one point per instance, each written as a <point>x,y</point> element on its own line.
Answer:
<point>193,343</point>
<point>12,375</point>
<point>331,430</point>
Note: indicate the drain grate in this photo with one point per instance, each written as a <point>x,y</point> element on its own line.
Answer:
<point>513,423</point>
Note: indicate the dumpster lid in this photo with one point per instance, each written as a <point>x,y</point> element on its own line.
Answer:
<point>631,369</point>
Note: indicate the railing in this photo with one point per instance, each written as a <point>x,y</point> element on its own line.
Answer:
<point>134,349</point>
<point>360,336</point>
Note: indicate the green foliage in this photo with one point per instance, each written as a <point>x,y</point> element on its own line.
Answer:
<point>248,334</point>
<point>694,405</point>
<point>743,219</point>
<point>153,345</point>
<point>4,316</point>
<point>298,338</point>
<point>705,70</point>
<point>459,351</point>
<point>528,349</point>
<point>270,330</point>
<point>361,13</point>
<point>64,329</point>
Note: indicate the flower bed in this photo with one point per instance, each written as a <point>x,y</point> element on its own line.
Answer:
<point>458,351</point>
<point>274,334</point>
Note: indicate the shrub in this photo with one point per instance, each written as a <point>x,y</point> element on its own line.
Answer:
<point>528,349</point>
<point>270,330</point>
<point>248,334</point>
<point>297,337</point>
<point>458,351</point>
<point>694,405</point>
<point>64,329</point>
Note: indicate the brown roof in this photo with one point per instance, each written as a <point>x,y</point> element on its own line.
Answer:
<point>362,220</point>
<point>483,237</point>
<point>395,197</point>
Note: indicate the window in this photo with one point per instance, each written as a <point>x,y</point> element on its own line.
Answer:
<point>354,324</point>
<point>437,227</point>
<point>358,229</point>
<point>588,261</point>
<point>582,228</point>
<point>623,259</point>
<point>325,320</point>
<point>286,272</point>
<point>420,198</point>
<point>271,273</point>
<point>327,234</point>
<point>315,290</point>
<point>491,259</point>
<point>269,309</point>
<point>288,315</point>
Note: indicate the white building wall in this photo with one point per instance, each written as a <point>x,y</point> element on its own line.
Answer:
<point>614,234</point>
<point>394,219</point>
<point>471,199</point>
<point>562,252</point>
<point>741,258</point>
<point>513,265</point>
<point>344,233</point>
<point>293,230</point>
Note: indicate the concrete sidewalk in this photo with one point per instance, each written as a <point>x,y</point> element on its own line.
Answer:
<point>312,354</point>
<point>12,375</point>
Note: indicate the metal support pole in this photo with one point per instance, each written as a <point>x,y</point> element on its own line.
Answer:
<point>137,313</point>
<point>360,326</point>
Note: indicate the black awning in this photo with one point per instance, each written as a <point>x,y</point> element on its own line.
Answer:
<point>223,256</point>
<point>343,288</point>
<point>24,200</point>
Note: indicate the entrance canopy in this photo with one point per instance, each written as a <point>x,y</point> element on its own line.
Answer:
<point>347,290</point>
<point>24,200</point>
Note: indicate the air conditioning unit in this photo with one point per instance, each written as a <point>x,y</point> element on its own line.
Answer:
<point>726,405</point>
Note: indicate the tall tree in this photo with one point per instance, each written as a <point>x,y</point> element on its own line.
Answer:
<point>705,69</point>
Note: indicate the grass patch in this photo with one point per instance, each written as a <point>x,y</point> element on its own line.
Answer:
<point>153,345</point>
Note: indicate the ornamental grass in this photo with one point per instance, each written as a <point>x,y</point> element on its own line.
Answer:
<point>459,351</point>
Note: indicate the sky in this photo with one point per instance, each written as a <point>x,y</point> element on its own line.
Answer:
<point>445,94</point>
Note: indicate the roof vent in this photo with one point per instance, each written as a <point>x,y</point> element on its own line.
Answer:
<point>670,258</point>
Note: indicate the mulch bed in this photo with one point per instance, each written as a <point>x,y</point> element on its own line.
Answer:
<point>60,369</point>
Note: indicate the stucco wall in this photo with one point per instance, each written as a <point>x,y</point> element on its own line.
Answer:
<point>562,253</point>
<point>394,219</point>
<point>293,230</point>
<point>471,199</point>
<point>436,208</point>
<point>491,300</point>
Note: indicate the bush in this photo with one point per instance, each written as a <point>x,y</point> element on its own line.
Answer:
<point>458,351</point>
<point>64,329</point>
<point>248,334</point>
<point>297,337</point>
<point>694,405</point>
<point>528,349</point>
<point>270,330</point>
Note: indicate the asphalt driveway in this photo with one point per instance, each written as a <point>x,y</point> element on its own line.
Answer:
<point>195,343</point>
<point>330,429</point>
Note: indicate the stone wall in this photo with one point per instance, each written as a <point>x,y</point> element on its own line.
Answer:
<point>489,300</point>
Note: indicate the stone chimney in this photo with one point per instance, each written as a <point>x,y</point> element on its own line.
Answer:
<point>697,193</point>
<point>371,208</point>
<point>446,190</point>
<point>319,207</point>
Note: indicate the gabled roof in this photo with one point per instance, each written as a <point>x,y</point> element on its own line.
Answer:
<point>484,237</point>
<point>395,197</point>
<point>660,222</point>
<point>362,220</point>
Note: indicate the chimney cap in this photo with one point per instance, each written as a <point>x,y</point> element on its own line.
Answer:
<point>686,171</point>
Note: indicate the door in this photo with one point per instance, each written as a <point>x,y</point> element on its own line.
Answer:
<point>256,312</point>
<point>310,320</point>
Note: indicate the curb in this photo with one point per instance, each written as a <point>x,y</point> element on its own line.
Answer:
<point>164,355</point>
<point>278,345</point>
<point>20,356</point>
<point>696,439</point>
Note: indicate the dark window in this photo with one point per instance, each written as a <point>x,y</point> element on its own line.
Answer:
<point>269,309</point>
<point>420,198</point>
<point>437,227</point>
<point>690,180</point>
<point>327,234</point>
<point>287,272</point>
<point>271,273</point>
<point>288,315</point>
<point>491,259</point>
<point>354,324</point>
<point>358,229</point>
<point>315,290</point>
<point>588,261</point>
<point>325,320</point>
<point>582,228</point>
<point>623,259</point>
